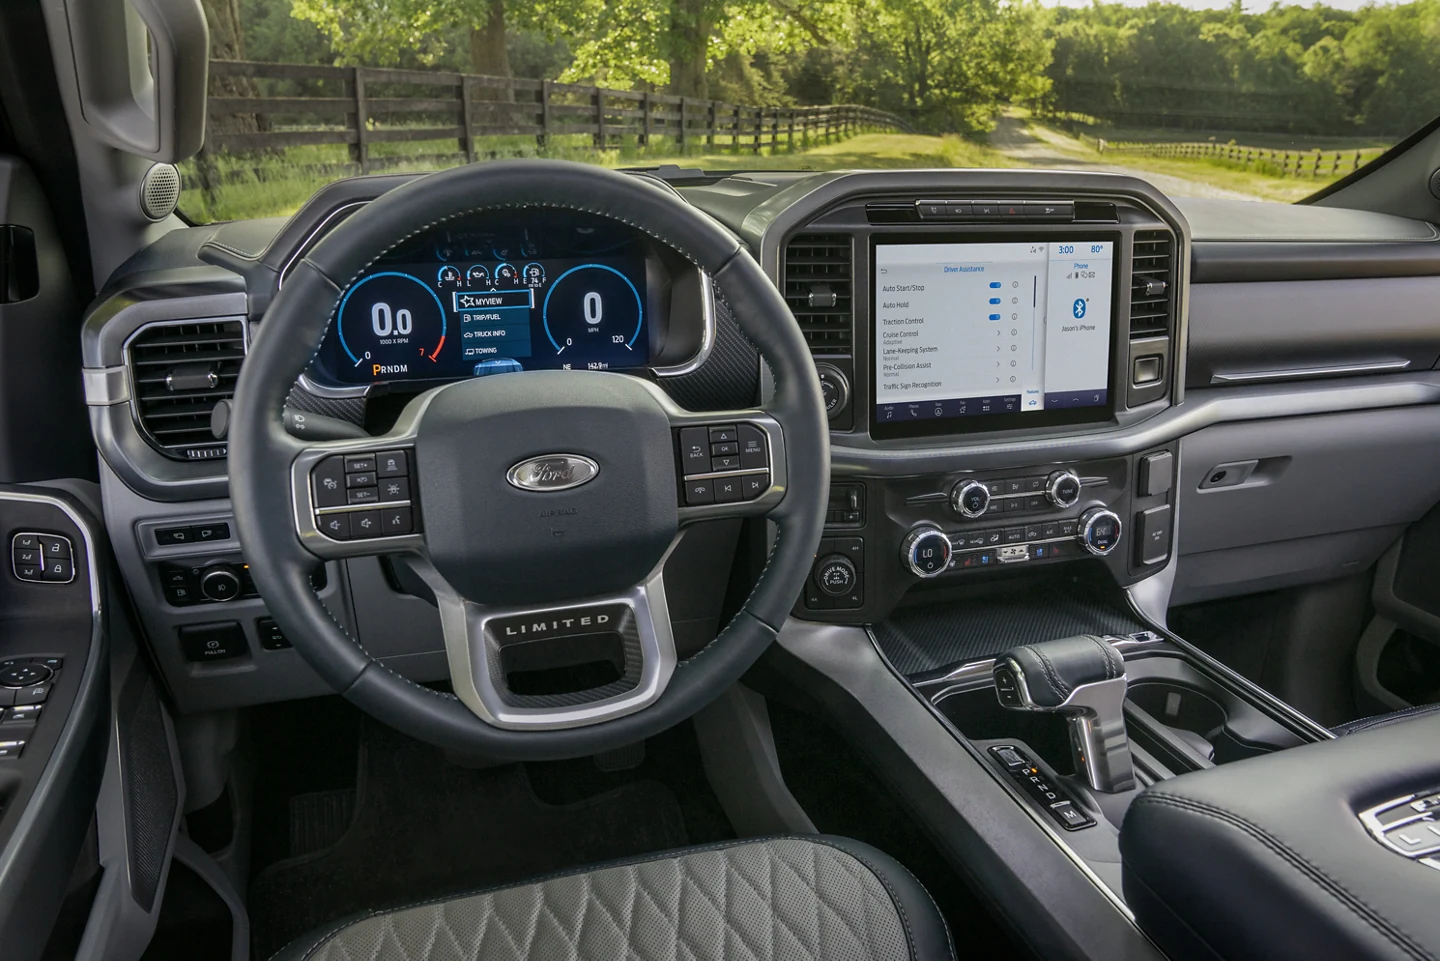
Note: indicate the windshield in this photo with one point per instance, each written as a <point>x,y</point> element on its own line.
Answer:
<point>1233,101</point>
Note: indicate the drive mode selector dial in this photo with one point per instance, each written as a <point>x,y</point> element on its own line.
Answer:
<point>970,498</point>
<point>1098,530</point>
<point>835,575</point>
<point>926,552</point>
<point>1062,488</point>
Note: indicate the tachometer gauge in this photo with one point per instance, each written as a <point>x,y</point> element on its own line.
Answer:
<point>392,324</point>
<point>594,312</point>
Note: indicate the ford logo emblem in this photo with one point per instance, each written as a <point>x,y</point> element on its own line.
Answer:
<point>552,472</point>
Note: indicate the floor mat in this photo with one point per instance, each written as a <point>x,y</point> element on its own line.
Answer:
<point>424,828</point>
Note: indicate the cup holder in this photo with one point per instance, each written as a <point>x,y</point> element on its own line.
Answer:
<point>1179,707</point>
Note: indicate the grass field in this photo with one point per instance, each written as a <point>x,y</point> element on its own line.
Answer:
<point>278,185</point>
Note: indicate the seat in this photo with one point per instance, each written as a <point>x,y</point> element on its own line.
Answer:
<point>779,899</point>
<point>1384,720</point>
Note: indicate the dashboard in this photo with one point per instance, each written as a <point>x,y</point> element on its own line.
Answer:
<point>1075,422</point>
<point>487,295</point>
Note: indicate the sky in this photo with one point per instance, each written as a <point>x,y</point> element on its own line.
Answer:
<point>1252,6</point>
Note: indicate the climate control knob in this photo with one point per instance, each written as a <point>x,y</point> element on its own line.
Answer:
<point>1062,488</point>
<point>970,498</point>
<point>926,552</point>
<point>1098,530</point>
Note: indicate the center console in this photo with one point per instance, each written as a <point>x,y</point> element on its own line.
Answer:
<point>985,356</point>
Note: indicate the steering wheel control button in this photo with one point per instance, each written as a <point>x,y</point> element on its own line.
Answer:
<point>362,495</point>
<point>364,524</point>
<point>360,464</point>
<point>727,490</point>
<point>335,526</point>
<point>24,675</point>
<point>395,521</point>
<point>694,450</point>
<point>1062,488</point>
<point>753,485</point>
<point>392,463</point>
<point>726,463</point>
<point>926,552</point>
<point>221,641</point>
<point>699,492</point>
<point>722,435</point>
<point>722,450</point>
<point>753,452</point>
<point>1099,531</point>
<point>328,480</point>
<point>970,498</point>
<point>367,479</point>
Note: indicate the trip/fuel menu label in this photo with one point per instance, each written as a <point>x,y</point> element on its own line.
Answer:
<point>991,328</point>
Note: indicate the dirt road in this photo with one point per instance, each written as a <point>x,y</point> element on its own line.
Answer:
<point>1038,147</point>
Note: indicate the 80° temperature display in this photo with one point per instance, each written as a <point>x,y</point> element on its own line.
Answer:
<point>428,321</point>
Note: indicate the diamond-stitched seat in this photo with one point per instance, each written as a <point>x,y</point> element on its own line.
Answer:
<point>784,899</point>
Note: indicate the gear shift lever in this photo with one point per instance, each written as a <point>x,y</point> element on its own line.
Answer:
<point>1082,677</point>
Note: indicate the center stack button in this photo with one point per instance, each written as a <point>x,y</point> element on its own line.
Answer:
<point>926,551</point>
<point>970,498</point>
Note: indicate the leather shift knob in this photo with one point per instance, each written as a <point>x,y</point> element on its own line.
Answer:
<point>1082,677</point>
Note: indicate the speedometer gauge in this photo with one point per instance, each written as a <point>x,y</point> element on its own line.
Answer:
<point>594,313</point>
<point>392,324</point>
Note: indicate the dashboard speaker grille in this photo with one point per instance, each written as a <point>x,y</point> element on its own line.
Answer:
<point>818,281</point>
<point>1152,283</point>
<point>178,373</point>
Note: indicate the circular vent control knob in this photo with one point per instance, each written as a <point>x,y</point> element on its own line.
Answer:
<point>1062,488</point>
<point>970,498</point>
<point>926,552</point>
<point>220,584</point>
<point>1098,530</point>
<point>835,575</point>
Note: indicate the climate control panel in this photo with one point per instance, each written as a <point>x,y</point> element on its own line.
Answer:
<point>964,528</point>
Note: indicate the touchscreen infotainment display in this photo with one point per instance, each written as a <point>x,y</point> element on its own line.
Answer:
<point>981,336</point>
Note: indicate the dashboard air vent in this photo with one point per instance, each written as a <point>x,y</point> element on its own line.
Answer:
<point>817,286</point>
<point>178,373</point>
<point>1151,282</point>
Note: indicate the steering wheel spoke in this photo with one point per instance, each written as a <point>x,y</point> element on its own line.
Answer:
<point>358,497</point>
<point>730,464</point>
<point>556,666</point>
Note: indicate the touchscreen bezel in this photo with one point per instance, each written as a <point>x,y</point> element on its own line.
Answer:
<point>989,423</point>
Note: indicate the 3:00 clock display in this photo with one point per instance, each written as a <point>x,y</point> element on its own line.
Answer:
<point>414,321</point>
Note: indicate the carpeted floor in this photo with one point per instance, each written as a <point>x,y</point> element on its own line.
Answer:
<point>423,827</point>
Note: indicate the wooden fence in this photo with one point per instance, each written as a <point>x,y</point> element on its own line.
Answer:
<point>1285,163</point>
<point>259,107</point>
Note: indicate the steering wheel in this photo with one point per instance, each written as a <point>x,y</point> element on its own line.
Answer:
<point>536,504</point>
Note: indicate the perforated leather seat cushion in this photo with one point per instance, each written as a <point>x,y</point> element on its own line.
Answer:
<point>807,899</point>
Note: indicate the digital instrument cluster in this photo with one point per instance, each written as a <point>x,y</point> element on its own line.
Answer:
<point>468,302</point>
